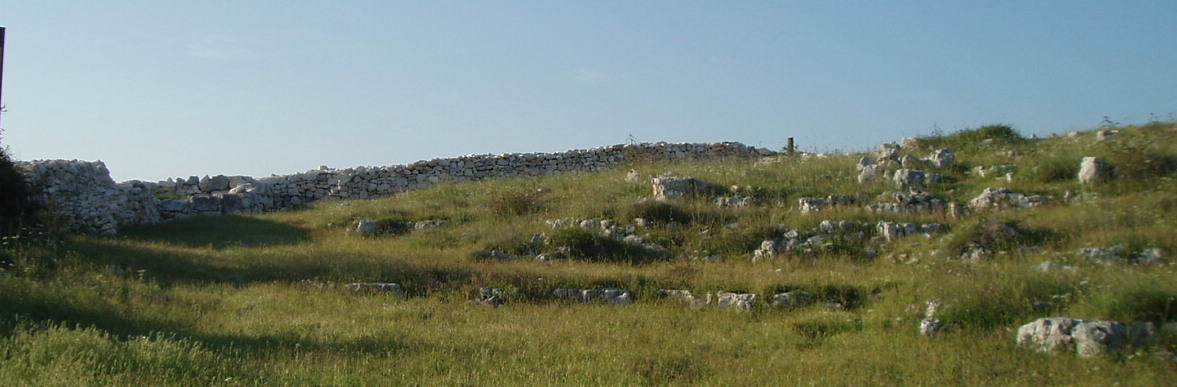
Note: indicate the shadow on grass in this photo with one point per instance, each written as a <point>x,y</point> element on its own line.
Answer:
<point>29,310</point>
<point>219,232</point>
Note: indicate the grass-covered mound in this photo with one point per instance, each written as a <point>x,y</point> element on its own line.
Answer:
<point>261,299</point>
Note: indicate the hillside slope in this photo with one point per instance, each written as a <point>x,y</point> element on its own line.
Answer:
<point>838,267</point>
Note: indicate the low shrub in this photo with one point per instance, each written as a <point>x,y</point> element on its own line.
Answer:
<point>17,208</point>
<point>658,211</point>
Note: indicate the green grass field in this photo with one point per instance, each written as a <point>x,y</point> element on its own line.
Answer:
<point>260,299</point>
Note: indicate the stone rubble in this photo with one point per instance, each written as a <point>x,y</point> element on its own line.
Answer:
<point>1003,198</point>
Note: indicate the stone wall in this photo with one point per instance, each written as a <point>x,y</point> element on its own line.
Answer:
<point>84,196</point>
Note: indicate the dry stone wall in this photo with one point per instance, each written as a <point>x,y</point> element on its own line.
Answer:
<point>87,199</point>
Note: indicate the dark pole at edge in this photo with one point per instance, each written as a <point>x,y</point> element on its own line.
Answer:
<point>1,70</point>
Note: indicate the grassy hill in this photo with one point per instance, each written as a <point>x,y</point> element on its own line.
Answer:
<point>262,299</point>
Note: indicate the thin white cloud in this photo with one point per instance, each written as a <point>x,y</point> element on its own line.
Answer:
<point>585,74</point>
<point>218,47</point>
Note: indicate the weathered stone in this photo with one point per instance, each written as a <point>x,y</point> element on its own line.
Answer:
<point>674,187</point>
<point>737,301</point>
<point>1087,338</point>
<point>768,250</point>
<point>1094,338</point>
<point>375,287</point>
<point>1094,170</point>
<point>867,174</point>
<point>810,205</point>
<point>368,227</point>
<point>493,297</point>
<point>929,326</point>
<point>1050,267</point>
<point>1002,198</point>
<point>793,299</point>
<point>685,296</point>
<point>206,204</point>
<point>910,178</point>
<point>633,176</point>
<point>605,295</point>
<point>1047,334</point>
<point>942,158</point>
<point>865,162</point>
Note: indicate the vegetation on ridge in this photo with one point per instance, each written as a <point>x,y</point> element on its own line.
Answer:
<point>260,299</point>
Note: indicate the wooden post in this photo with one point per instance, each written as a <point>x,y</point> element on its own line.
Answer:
<point>790,146</point>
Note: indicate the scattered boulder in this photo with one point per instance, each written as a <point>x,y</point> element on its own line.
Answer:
<point>375,287</point>
<point>669,187</point>
<point>633,176</point>
<point>913,202</point>
<point>1087,338</point>
<point>867,174</point>
<point>604,295</point>
<point>910,178</point>
<point>1118,254</point>
<point>995,170</point>
<point>1051,267</point>
<point>811,205</point>
<point>685,296</point>
<point>929,326</point>
<point>1003,198</point>
<point>942,158</point>
<point>493,297</point>
<point>738,301</point>
<point>865,162</point>
<point>887,152</point>
<point>793,299</point>
<point>1107,134</point>
<point>1094,170</point>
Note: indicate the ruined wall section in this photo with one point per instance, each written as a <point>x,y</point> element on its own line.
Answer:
<point>87,199</point>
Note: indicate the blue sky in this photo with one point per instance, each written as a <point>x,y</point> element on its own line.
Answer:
<point>161,89</point>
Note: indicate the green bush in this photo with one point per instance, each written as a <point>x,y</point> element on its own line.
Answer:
<point>971,139</point>
<point>660,212</point>
<point>1137,302</point>
<point>516,203</point>
<point>17,209</point>
<point>579,244</point>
